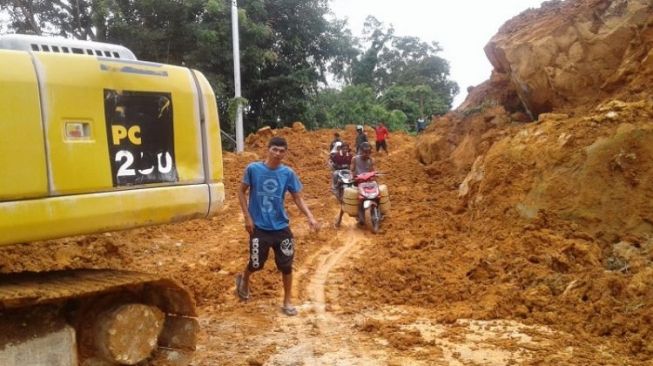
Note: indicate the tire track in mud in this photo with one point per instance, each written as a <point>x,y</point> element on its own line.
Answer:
<point>319,336</point>
<point>317,284</point>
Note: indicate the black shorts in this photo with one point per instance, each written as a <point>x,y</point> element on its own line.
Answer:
<point>281,241</point>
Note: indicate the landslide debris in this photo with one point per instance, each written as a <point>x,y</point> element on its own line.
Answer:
<point>532,202</point>
<point>570,54</point>
<point>552,163</point>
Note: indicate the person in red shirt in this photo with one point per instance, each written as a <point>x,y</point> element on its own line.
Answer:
<point>381,135</point>
<point>340,156</point>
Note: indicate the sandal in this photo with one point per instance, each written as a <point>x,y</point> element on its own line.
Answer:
<point>242,294</point>
<point>289,310</point>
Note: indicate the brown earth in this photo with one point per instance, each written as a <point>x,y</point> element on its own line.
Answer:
<point>441,283</point>
<point>508,243</point>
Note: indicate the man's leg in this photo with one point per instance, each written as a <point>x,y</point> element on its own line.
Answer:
<point>244,286</point>
<point>258,254</point>
<point>287,290</point>
<point>284,253</point>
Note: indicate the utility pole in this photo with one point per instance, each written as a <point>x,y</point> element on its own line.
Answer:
<point>240,141</point>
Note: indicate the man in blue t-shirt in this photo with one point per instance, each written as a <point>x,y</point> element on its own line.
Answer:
<point>266,220</point>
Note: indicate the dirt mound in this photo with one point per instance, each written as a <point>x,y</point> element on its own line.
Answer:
<point>555,218</point>
<point>595,170</point>
<point>438,255</point>
<point>574,53</point>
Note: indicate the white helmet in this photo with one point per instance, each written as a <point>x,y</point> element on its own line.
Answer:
<point>337,145</point>
<point>359,128</point>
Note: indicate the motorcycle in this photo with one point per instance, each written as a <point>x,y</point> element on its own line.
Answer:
<point>370,199</point>
<point>366,197</point>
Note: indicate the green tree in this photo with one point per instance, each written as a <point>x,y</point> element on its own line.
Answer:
<point>156,30</point>
<point>301,45</point>
<point>365,69</point>
<point>287,46</point>
<point>415,100</point>
<point>406,73</point>
<point>397,120</point>
<point>399,97</point>
<point>53,17</point>
<point>353,105</point>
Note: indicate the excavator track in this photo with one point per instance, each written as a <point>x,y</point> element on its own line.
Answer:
<point>109,310</point>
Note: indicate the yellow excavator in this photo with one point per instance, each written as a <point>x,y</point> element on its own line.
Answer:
<point>94,140</point>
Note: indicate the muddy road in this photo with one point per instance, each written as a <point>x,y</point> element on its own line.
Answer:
<point>426,290</point>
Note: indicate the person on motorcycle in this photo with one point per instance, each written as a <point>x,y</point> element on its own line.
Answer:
<point>339,159</point>
<point>334,151</point>
<point>336,138</point>
<point>362,163</point>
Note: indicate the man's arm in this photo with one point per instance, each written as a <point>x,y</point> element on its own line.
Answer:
<point>242,199</point>
<point>299,201</point>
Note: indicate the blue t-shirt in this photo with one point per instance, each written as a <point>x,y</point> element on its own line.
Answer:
<point>267,189</point>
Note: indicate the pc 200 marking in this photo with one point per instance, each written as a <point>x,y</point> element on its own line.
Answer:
<point>126,169</point>
<point>141,137</point>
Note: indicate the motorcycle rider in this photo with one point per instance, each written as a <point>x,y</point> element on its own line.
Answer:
<point>362,163</point>
<point>340,158</point>
<point>336,138</point>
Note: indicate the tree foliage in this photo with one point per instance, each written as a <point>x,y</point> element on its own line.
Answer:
<point>406,73</point>
<point>393,80</point>
<point>74,19</point>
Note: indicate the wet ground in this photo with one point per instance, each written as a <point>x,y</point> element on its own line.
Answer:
<point>437,286</point>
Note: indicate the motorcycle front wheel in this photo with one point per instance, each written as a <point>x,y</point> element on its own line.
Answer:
<point>375,218</point>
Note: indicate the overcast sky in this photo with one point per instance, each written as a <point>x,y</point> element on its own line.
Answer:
<point>461,27</point>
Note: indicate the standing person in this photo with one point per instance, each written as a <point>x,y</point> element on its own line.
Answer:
<point>360,137</point>
<point>266,220</point>
<point>421,124</point>
<point>381,135</point>
<point>336,138</point>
